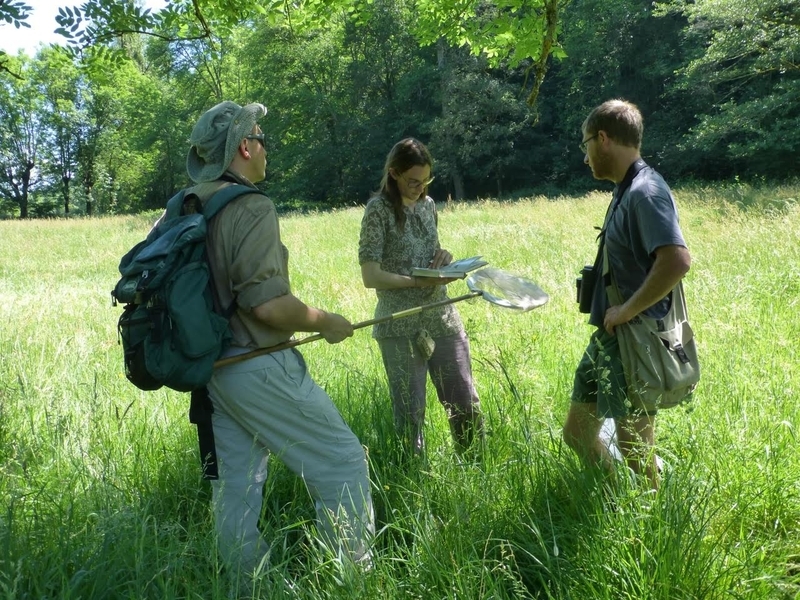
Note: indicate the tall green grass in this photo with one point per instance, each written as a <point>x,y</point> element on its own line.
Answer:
<point>101,496</point>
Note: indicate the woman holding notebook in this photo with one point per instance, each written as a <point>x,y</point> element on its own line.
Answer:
<point>398,233</point>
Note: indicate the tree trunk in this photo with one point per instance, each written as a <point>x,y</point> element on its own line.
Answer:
<point>88,178</point>
<point>65,193</point>
<point>444,69</point>
<point>458,185</point>
<point>23,197</point>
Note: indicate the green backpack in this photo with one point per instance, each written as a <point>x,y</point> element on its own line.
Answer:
<point>170,333</point>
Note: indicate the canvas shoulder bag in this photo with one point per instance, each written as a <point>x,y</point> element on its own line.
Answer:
<point>659,356</point>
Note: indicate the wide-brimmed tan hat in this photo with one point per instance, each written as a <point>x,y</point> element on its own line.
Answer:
<point>218,133</point>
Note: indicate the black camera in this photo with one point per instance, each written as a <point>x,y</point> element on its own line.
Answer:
<point>585,288</point>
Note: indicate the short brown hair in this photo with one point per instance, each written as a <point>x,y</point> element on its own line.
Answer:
<point>621,120</point>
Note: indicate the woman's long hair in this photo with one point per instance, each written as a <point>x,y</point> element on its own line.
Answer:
<point>405,154</point>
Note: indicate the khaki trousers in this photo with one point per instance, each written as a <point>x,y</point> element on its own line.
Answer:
<point>270,404</point>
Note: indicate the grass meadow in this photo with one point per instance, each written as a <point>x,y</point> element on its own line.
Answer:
<point>100,488</point>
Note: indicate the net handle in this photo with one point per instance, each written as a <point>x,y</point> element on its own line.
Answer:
<point>223,362</point>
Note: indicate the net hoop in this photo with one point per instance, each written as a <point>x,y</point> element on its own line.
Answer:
<point>509,291</point>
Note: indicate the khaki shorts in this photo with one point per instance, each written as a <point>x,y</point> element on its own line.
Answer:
<point>600,378</point>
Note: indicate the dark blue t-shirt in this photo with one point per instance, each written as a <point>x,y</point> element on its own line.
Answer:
<point>645,220</point>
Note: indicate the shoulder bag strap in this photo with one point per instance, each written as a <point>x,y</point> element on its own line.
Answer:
<point>614,295</point>
<point>601,262</point>
<point>677,308</point>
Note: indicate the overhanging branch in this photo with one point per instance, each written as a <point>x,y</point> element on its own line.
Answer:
<point>540,66</point>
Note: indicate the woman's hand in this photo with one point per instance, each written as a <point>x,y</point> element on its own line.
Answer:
<point>441,259</point>
<point>373,276</point>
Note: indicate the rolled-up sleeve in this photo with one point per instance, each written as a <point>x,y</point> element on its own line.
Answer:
<point>259,269</point>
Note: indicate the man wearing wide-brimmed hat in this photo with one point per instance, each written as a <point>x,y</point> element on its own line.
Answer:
<point>269,404</point>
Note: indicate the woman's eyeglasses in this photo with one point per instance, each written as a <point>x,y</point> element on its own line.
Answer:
<point>416,183</point>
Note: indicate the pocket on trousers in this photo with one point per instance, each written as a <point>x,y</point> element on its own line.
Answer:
<point>290,366</point>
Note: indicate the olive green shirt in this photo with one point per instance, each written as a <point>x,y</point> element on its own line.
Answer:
<point>249,263</point>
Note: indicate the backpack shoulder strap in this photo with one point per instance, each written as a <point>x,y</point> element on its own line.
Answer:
<point>225,195</point>
<point>175,205</point>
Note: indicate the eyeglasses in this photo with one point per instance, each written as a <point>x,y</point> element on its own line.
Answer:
<point>582,145</point>
<point>414,183</point>
<point>257,136</point>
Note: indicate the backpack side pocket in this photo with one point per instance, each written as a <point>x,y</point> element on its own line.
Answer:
<point>134,327</point>
<point>194,322</point>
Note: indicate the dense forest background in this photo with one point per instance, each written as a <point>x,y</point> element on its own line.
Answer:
<point>104,130</point>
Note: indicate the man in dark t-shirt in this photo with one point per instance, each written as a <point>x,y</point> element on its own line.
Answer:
<point>648,257</point>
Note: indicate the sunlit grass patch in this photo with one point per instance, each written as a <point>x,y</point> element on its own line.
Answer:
<point>100,484</point>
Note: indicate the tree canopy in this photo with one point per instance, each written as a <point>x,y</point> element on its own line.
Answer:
<point>14,13</point>
<point>100,124</point>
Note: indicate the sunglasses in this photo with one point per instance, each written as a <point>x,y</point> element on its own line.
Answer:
<point>257,136</point>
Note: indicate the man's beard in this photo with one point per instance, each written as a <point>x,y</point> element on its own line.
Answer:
<point>601,166</point>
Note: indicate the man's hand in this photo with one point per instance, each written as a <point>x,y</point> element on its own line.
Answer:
<point>669,267</point>
<point>615,315</point>
<point>336,328</point>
